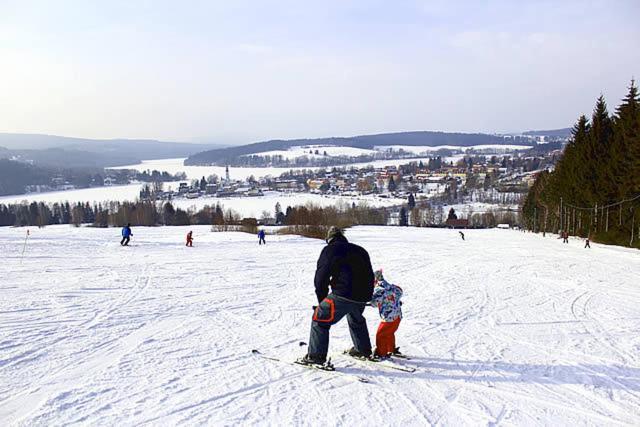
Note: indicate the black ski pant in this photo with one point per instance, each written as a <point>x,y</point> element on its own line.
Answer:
<point>125,241</point>
<point>329,312</point>
<point>261,241</point>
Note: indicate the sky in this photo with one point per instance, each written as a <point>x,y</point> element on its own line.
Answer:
<point>244,71</point>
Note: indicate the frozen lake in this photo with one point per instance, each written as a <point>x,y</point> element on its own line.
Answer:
<point>245,206</point>
<point>196,172</point>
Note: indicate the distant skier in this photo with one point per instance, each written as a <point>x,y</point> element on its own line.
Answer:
<point>565,237</point>
<point>461,234</point>
<point>261,235</point>
<point>126,235</point>
<point>347,269</point>
<point>190,238</point>
<point>386,297</point>
<point>586,243</point>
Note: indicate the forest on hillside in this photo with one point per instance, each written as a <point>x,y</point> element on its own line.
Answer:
<point>233,155</point>
<point>594,190</point>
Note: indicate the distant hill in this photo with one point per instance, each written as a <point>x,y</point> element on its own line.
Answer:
<point>80,152</point>
<point>554,133</point>
<point>420,138</point>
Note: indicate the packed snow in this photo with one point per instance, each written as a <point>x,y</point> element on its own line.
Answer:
<point>503,328</point>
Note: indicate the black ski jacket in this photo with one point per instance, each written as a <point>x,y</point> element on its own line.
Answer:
<point>347,268</point>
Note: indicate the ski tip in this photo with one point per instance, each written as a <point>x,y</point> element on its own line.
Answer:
<point>302,343</point>
<point>255,351</point>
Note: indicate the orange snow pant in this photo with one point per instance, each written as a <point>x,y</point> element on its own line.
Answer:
<point>386,338</point>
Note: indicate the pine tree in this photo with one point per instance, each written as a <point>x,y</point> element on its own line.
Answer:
<point>404,221</point>
<point>600,136</point>
<point>391,186</point>
<point>626,144</point>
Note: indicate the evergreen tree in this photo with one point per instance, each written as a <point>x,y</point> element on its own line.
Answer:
<point>404,220</point>
<point>411,202</point>
<point>391,186</point>
<point>168,214</point>
<point>600,140</point>
<point>625,157</point>
<point>594,179</point>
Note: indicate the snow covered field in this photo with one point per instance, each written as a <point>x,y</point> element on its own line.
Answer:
<point>331,150</point>
<point>95,194</point>
<point>254,206</point>
<point>196,172</point>
<point>505,328</point>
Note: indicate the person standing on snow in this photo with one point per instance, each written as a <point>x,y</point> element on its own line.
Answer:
<point>126,235</point>
<point>347,269</point>
<point>190,238</point>
<point>586,243</point>
<point>461,234</point>
<point>386,296</point>
<point>261,235</point>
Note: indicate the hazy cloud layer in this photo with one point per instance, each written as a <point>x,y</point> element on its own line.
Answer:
<point>242,71</point>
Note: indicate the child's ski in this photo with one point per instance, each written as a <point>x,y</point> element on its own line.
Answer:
<point>328,367</point>
<point>400,356</point>
<point>382,362</point>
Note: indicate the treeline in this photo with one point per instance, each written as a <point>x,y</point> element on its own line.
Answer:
<point>594,190</point>
<point>16,177</point>
<point>149,213</point>
<point>112,214</point>
<point>231,155</point>
<point>314,221</point>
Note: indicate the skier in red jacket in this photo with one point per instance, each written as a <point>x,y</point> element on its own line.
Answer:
<point>190,238</point>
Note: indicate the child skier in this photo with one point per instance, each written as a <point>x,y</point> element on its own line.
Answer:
<point>190,238</point>
<point>126,235</point>
<point>386,296</point>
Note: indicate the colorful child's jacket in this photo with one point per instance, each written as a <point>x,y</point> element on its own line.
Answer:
<point>386,296</point>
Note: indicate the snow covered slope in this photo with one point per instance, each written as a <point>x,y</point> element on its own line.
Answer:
<point>505,328</point>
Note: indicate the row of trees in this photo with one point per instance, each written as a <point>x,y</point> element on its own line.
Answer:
<point>112,214</point>
<point>594,190</point>
<point>148,213</point>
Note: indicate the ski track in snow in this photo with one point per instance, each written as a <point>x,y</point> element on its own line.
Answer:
<point>505,328</point>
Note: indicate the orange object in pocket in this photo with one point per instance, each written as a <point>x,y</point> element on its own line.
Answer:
<point>325,311</point>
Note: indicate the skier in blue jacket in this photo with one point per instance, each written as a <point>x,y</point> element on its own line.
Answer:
<point>126,235</point>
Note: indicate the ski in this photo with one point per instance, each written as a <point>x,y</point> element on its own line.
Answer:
<point>381,362</point>
<point>328,367</point>
<point>400,356</point>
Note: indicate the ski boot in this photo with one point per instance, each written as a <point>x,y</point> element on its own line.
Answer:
<point>396,353</point>
<point>312,362</point>
<point>356,354</point>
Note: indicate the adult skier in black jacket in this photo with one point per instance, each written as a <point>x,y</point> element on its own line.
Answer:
<point>347,269</point>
